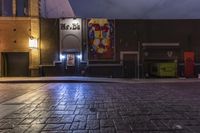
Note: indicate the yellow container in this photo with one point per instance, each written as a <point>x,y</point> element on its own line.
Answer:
<point>164,69</point>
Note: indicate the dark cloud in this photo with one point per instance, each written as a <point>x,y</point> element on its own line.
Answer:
<point>58,9</point>
<point>137,9</point>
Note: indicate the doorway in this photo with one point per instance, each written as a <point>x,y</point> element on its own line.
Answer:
<point>15,64</point>
<point>130,65</point>
<point>72,63</point>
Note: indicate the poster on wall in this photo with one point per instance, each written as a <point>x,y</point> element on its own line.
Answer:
<point>189,64</point>
<point>100,39</point>
<point>70,60</point>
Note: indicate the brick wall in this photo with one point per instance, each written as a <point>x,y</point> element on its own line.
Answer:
<point>15,33</point>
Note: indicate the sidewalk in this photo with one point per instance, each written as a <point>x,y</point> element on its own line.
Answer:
<point>76,79</point>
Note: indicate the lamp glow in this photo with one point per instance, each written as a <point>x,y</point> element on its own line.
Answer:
<point>79,56</point>
<point>33,43</point>
<point>62,57</point>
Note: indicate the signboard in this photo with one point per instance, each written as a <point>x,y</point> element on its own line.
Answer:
<point>100,39</point>
<point>189,64</point>
<point>70,60</point>
<point>70,35</point>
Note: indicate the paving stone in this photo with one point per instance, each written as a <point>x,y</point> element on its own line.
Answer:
<point>7,131</point>
<point>56,127</point>
<point>80,131</point>
<point>106,123</point>
<point>194,129</point>
<point>80,118</point>
<point>105,108</point>
<point>53,120</point>
<point>16,116</point>
<point>39,121</point>
<point>92,117</point>
<point>74,125</point>
<point>20,128</point>
<point>7,126</point>
<point>67,119</point>
<point>108,130</point>
<point>102,115</point>
<point>94,131</point>
<point>56,116</point>
<point>121,125</point>
<point>113,115</point>
<point>71,108</point>
<point>34,128</point>
<point>82,125</point>
<point>67,127</point>
<point>159,125</point>
<point>56,132</point>
<point>11,121</point>
<point>33,115</point>
<point>93,124</point>
<point>27,121</point>
<point>60,107</point>
<point>87,112</point>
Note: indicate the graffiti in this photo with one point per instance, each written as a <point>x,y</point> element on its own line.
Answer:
<point>101,39</point>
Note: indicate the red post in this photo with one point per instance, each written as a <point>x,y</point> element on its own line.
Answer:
<point>189,64</point>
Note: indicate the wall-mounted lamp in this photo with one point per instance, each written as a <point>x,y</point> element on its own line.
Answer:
<point>33,42</point>
<point>79,56</point>
<point>62,57</point>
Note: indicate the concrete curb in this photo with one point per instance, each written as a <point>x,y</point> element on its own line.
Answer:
<point>90,80</point>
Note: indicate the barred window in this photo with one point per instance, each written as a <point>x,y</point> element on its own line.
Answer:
<point>22,8</point>
<point>1,5</point>
<point>6,8</point>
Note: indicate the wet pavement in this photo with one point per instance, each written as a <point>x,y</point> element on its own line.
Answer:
<point>100,107</point>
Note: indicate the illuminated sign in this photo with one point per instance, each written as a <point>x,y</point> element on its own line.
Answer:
<point>70,35</point>
<point>72,26</point>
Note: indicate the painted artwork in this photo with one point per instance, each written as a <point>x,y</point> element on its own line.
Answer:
<point>70,60</point>
<point>100,39</point>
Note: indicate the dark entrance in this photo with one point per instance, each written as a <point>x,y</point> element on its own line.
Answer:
<point>15,64</point>
<point>130,66</point>
<point>72,63</point>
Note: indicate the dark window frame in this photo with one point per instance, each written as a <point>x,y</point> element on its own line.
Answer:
<point>6,8</point>
<point>1,7</point>
<point>20,9</point>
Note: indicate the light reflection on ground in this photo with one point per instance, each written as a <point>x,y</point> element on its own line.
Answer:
<point>105,107</point>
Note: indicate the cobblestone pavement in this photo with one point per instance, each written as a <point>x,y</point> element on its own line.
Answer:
<point>102,108</point>
<point>6,90</point>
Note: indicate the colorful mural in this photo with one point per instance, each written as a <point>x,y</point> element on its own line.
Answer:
<point>100,39</point>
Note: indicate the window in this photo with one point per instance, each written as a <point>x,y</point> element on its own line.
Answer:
<point>6,8</point>
<point>1,5</point>
<point>22,8</point>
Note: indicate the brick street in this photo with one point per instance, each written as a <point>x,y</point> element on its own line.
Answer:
<point>100,108</point>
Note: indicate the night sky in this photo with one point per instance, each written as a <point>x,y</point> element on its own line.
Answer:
<point>137,9</point>
<point>56,9</point>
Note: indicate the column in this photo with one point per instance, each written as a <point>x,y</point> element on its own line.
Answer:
<point>14,6</point>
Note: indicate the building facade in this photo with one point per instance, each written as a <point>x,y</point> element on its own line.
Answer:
<point>121,48</point>
<point>19,26</point>
<point>34,46</point>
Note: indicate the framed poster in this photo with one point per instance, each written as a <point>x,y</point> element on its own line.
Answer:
<point>100,39</point>
<point>70,60</point>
